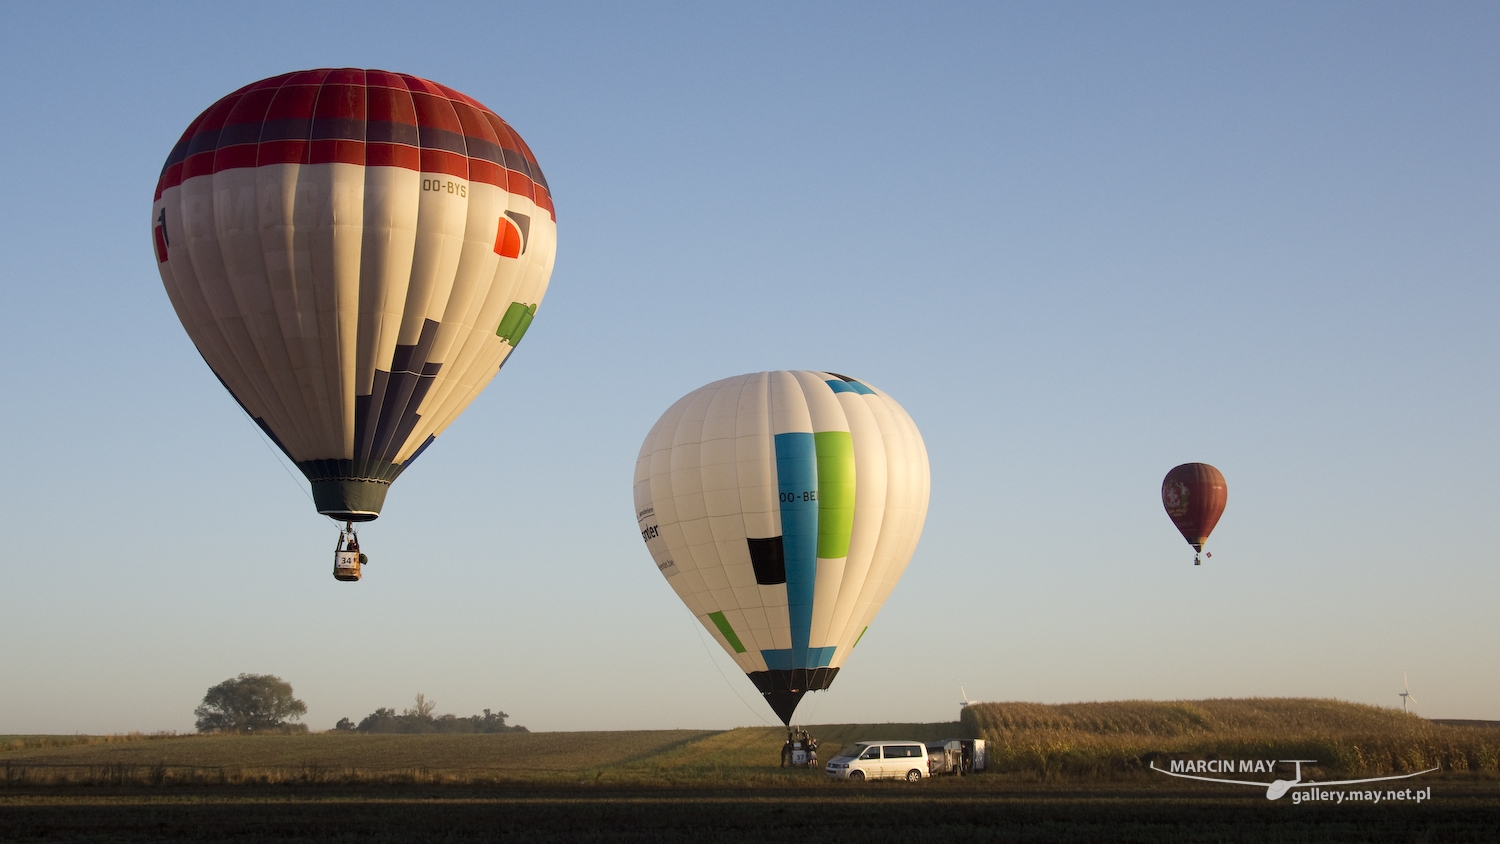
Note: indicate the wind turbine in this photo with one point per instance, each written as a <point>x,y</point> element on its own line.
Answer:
<point>965,694</point>
<point>1406,694</point>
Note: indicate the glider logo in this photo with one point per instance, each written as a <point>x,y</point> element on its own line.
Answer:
<point>1175,496</point>
<point>1190,768</point>
<point>511,237</point>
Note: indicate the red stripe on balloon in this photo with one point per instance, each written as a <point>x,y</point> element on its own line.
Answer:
<point>520,184</point>
<point>442,161</point>
<point>170,178</point>
<point>338,152</point>
<point>313,116</point>
<point>231,158</point>
<point>544,200</point>
<point>281,152</point>
<point>198,165</point>
<point>487,172</point>
<point>393,155</point>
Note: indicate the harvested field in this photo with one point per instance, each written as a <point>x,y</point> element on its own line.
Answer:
<point>655,757</point>
<point>328,757</point>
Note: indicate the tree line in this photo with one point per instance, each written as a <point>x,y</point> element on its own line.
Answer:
<point>419,719</point>
<point>264,703</point>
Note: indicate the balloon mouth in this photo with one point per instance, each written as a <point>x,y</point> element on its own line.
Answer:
<point>783,689</point>
<point>784,704</point>
<point>350,490</point>
<point>350,500</point>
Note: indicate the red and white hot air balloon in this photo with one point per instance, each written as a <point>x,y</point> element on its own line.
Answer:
<point>355,253</point>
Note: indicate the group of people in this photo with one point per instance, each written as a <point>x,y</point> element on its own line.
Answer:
<point>800,750</point>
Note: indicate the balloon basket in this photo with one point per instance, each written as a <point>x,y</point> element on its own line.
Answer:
<point>347,560</point>
<point>346,565</point>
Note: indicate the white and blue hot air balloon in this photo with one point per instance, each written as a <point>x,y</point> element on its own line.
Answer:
<point>782,507</point>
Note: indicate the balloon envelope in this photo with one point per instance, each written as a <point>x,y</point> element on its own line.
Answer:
<point>782,507</point>
<point>355,254</point>
<point>1194,495</point>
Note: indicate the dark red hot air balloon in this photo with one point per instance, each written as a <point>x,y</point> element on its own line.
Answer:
<point>1194,495</point>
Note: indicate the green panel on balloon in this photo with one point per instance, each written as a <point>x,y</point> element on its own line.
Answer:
<point>835,493</point>
<point>723,624</point>
<point>515,322</point>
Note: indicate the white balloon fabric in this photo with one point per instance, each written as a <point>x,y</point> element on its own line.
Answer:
<point>782,507</point>
<point>355,253</point>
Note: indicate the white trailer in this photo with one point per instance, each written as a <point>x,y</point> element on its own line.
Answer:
<point>956,756</point>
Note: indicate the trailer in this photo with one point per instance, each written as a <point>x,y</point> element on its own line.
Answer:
<point>956,756</point>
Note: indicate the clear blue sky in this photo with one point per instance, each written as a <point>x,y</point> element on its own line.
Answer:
<point>1081,243</point>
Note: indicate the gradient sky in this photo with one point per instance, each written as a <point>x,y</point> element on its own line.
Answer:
<point>1080,243</point>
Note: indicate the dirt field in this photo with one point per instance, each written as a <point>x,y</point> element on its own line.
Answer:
<point>944,811</point>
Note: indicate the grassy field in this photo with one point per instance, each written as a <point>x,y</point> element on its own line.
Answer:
<point>1094,740</point>
<point>1065,773</point>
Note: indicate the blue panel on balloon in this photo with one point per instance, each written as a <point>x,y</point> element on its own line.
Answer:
<point>797,480</point>
<point>850,387</point>
<point>782,660</point>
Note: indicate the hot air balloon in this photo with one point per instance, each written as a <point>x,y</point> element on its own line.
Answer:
<point>782,508</point>
<point>1194,495</point>
<point>355,253</point>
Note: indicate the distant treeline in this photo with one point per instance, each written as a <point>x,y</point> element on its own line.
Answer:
<point>420,719</point>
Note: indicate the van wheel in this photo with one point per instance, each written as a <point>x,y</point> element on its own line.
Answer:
<point>856,775</point>
<point>914,775</point>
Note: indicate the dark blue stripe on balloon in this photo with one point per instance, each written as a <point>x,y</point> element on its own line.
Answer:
<point>418,453</point>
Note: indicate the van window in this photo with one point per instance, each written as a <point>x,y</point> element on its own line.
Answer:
<point>870,753</point>
<point>903,751</point>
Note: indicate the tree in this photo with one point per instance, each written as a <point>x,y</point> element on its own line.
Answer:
<point>423,709</point>
<point>250,703</point>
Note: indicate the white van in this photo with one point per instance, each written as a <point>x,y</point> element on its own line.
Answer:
<point>905,760</point>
